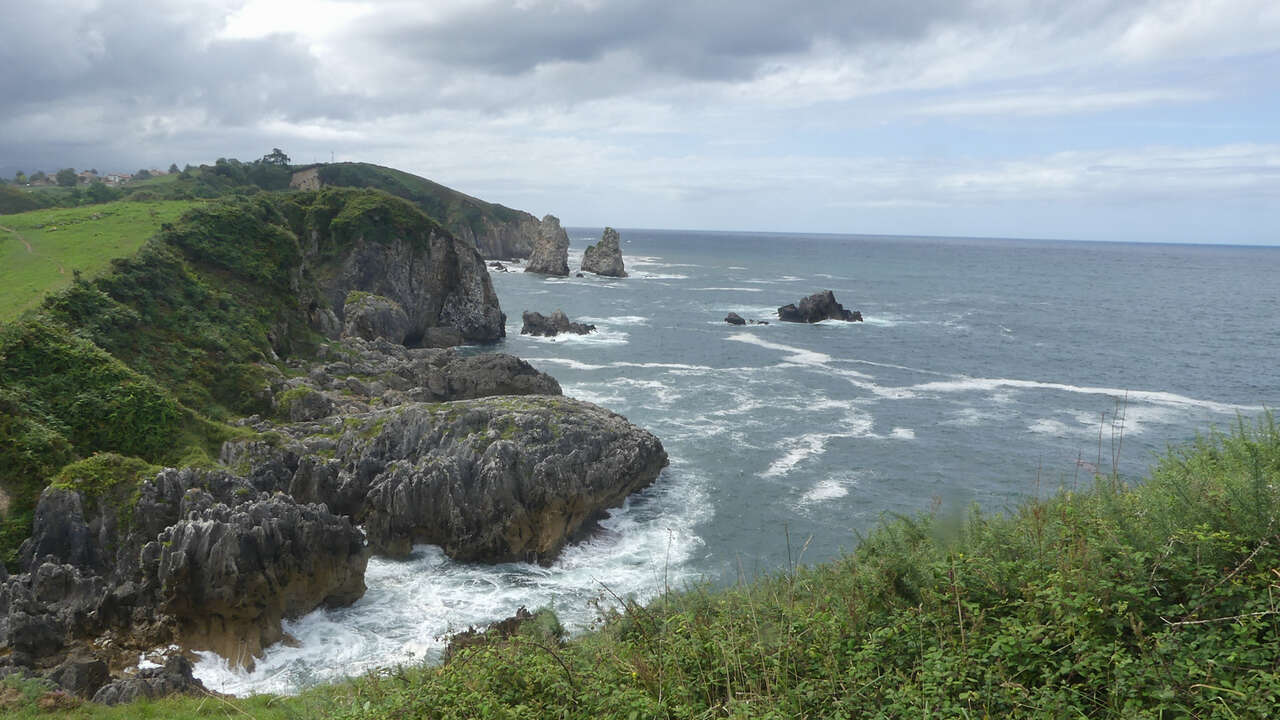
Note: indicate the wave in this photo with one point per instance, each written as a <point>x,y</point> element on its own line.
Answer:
<point>970,384</point>
<point>599,337</point>
<point>578,365</point>
<point>799,356</point>
<point>901,433</point>
<point>616,320</point>
<point>413,604</point>
<point>730,289</point>
<point>825,489</point>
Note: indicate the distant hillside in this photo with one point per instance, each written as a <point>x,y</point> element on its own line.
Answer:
<point>497,231</point>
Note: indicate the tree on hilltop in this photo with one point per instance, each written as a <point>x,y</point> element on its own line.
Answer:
<point>37,176</point>
<point>66,177</point>
<point>20,178</point>
<point>276,157</point>
<point>142,174</point>
<point>173,169</point>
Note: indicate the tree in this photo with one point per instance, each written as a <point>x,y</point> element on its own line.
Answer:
<point>276,157</point>
<point>37,176</point>
<point>98,192</point>
<point>20,178</point>
<point>66,177</point>
<point>143,174</point>
<point>173,169</point>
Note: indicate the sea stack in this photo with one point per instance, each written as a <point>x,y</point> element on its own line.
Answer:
<point>605,257</point>
<point>550,254</point>
<point>549,326</point>
<point>816,308</point>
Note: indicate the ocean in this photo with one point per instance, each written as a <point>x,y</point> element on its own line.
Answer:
<point>986,371</point>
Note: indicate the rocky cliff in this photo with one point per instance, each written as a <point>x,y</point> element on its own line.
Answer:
<point>605,257</point>
<point>550,255</point>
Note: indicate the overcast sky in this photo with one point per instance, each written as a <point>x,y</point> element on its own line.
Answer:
<point>1092,119</point>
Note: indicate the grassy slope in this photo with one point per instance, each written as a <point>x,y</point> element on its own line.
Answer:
<point>151,357</point>
<point>451,208</point>
<point>61,240</point>
<point>1157,601</point>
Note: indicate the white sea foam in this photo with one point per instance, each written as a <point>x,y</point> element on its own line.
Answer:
<point>971,384</point>
<point>412,604</point>
<point>599,337</point>
<point>616,320</point>
<point>799,356</point>
<point>578,365</point>
<point>594,393</point>
<point>568,362</point>
<point>855,424</point>
<point>1046,426</point>
<point>825,489</point>
<point>645,275</point>
<point>730,289</point>
<point>901,433</point>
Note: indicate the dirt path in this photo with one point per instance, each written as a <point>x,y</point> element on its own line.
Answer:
<point>25,244</point>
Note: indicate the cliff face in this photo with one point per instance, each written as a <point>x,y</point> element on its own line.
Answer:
<point>498,232</point>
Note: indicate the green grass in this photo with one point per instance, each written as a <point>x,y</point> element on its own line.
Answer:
<point>1160,600</point>
<point>65,240</point>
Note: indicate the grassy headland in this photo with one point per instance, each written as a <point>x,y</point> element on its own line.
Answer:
<point>1152,601</point>
<point>41,249</point>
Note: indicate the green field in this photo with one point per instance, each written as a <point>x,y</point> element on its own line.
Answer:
<point>40,250</point>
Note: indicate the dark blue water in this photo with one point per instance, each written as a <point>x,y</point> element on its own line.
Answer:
<point>987,371</point>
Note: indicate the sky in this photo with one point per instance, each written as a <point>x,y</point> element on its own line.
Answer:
<point>1117,120</point>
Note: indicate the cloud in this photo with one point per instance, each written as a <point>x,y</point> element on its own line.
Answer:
<point>1063,101</point>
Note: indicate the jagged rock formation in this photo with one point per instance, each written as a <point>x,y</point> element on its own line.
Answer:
<point>605,257</point>
<point>734,318</point>
<point>550,254</point>
<point>549,326</point>
<point>373,317</point>
<point>493,479</point>
<point>816,308</point>
<point>479,454</point>
<point>498,232</point>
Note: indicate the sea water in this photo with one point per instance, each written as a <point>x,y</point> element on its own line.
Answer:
<point>986,371</point>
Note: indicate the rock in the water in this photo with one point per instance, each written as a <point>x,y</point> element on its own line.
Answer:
<point>550,255</point>
<point>495,265</point>
<point>605,257</point>
<point>816,308</point>
<point>550,326</point>
<point>374,317</point>
<point>734,318</point>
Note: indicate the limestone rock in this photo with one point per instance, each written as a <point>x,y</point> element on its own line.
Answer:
<point>550,326</point>
<point>229,575</point>
<point>734,318</point>
<point>816,308</point>
<point>174,678</point>
<point>494,479</point>
<point>438,280</point>
<point>550,254</point>
<point>373,317</point>
<point>605,257</point>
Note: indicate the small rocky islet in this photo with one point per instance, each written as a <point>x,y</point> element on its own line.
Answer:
<point>379,438</point>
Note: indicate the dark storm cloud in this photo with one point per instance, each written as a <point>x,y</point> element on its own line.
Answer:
<point>132,58</point>
<point>699,39</point>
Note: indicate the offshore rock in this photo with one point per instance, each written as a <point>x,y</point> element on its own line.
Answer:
<point>550,253</point>
<point>734,318</point>
<point>816,308</point>
<point>373,317</point>
<point>605,257</point>
<point>550,326</point>
<point>494,479</point>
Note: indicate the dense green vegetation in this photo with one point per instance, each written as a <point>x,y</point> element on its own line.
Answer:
<point>451,208</point>
<point>152,356</point>
<point>41,250</point>
<point>1152,601</point>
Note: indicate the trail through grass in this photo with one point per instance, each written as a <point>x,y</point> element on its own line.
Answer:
<point>41,250</point>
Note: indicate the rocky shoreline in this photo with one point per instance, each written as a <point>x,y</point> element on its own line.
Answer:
<point>481,455</point>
